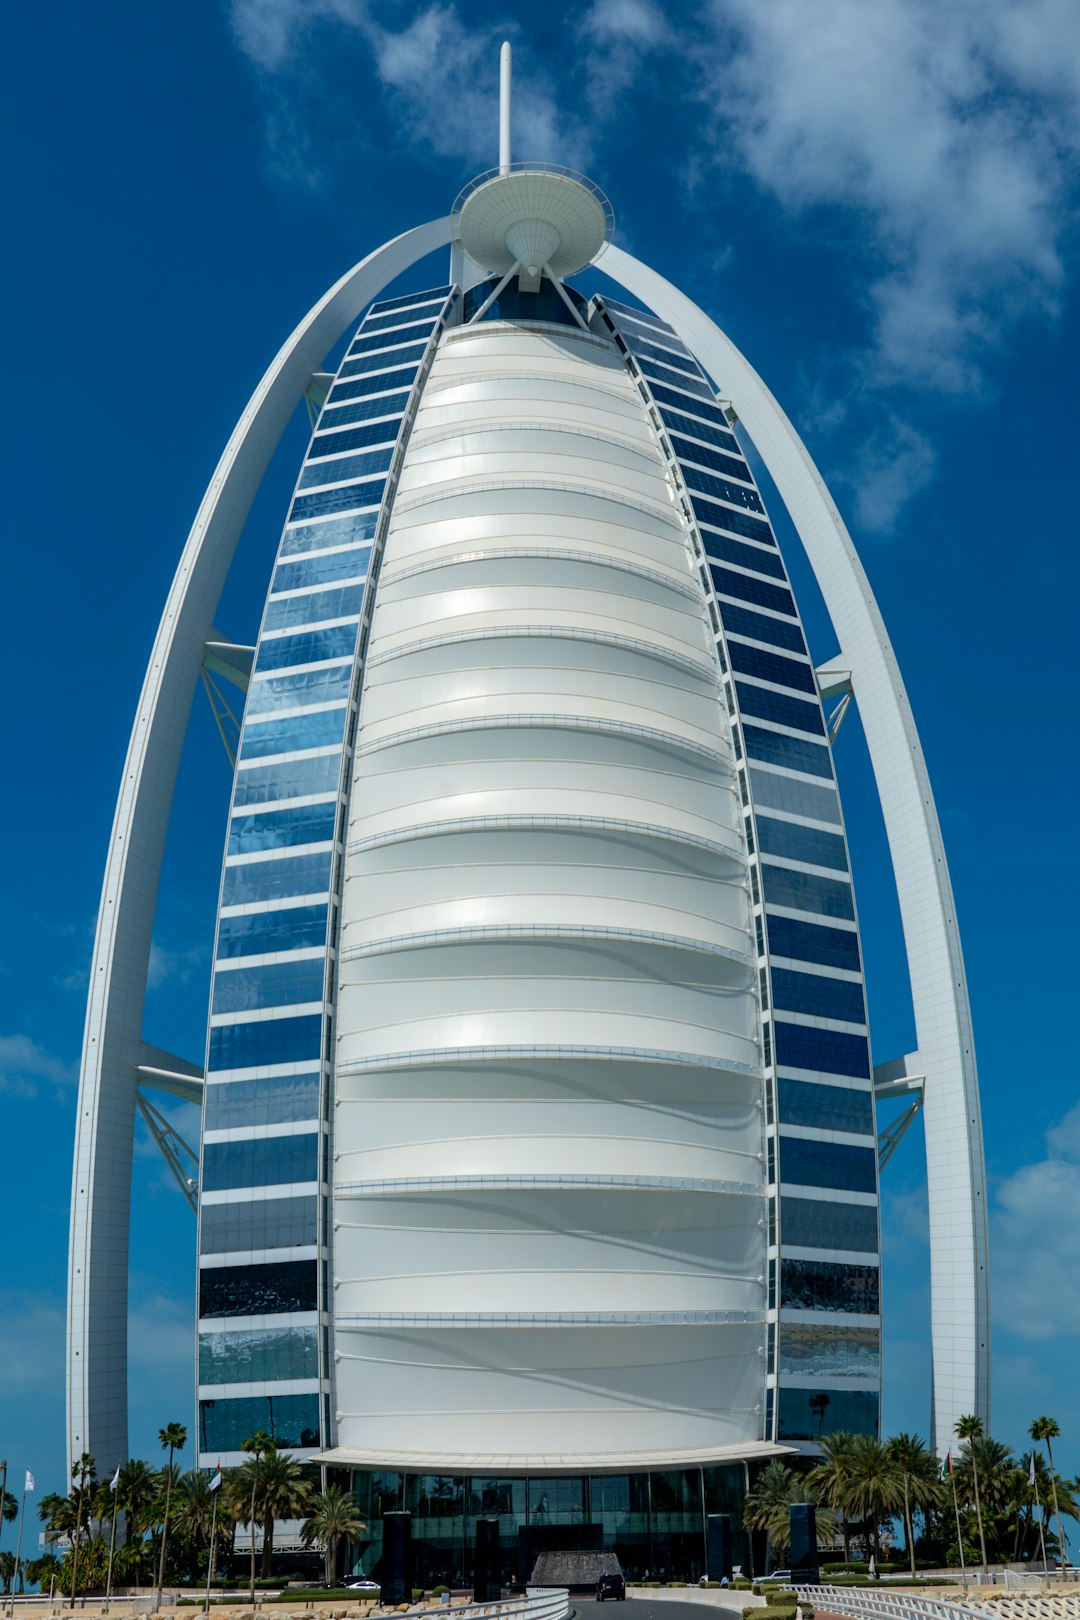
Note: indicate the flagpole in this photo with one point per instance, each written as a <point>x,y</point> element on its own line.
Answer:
<point>959,1532</point>
<point>113,1486</point>
<point>18,1552</point>
<point>210,1563</point>
<point>1042,1537</point>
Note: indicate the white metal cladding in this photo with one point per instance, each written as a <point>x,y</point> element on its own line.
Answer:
<point>112,1041</point>
<point>960,1285</point>
<point>548,1073</point>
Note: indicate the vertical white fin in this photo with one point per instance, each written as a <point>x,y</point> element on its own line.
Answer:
<point>505,72</point>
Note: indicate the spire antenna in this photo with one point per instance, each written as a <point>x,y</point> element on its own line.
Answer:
<point>506,64</point>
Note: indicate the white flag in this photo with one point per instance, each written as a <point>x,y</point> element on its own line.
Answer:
<point>1031,1469</point>
<point>29,1486</point>
<point>216,1481</point>
<point>114,1482</point>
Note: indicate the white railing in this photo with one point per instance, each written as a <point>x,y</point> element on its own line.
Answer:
<point>877,1603</point>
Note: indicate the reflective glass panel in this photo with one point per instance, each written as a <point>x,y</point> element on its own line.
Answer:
<point>775,706</point>
<point>821,997</point>
<point>275,880</point>
<point>705,456</point>
<point>338,641</point>
<point>722,517</point>
<point>705,408</point>
<point>752,590</point>
<point>675,422</point>
<point>807,891</point>
<point>812,1223</point>
<point>374,381</point>
<point>799,798</point>
<point>723,547</point>
<point>346,467</point>
<point>797,755</point>
<point>276,829</point>
<point>667,357</point>
<point>805,1163</point>
<point>263,1161</point>
<point>813,942</point>
<point>407,300</point>
<point>799,843</point>
<point>321,568</point>
<point>289,735</point>
<point>799,1046</point>
<point>721,489</point>
<point>287,779</point>
<point>312,607</point>
<point>826,1351</point>
<point>294,691</point>
<point>335,440</point>
<point>807,1414</point>
<point>379,340</point>
<point>769,666</point>
<point>830,1108</point>
<point>286,1285</point>
<point>379,323</point>
<point>273,984</point>
<point>276,1100</point>
<point>329,532</point>
<point>267,931</point>
<point>289,1420</point>
<point>384,360</point>
<point>258,1223</point>
<point>742,621</point>
<point>271,1040</point>
<point>830,1285</point>
<point>674,379</point>
<point>266,1356</point>
<point>374,404</point>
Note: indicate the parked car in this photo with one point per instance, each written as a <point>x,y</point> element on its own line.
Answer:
<point>362,1583</point>
<point>611,1586</point>
<point>782,1576</point>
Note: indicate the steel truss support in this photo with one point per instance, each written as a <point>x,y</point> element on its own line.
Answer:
<point>174,1150</point>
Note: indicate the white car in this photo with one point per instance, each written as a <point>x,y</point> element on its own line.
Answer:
<point>362,1583</point>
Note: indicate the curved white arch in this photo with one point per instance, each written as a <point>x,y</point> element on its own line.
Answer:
<point>101,1185</point>
<point>960,1292</point>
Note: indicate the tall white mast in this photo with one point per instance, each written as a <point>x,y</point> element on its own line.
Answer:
<point>506,65</point>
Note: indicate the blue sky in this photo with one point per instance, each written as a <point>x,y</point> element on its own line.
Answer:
<point>878,202</point>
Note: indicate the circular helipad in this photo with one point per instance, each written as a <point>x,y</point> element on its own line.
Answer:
<point>533,216</point>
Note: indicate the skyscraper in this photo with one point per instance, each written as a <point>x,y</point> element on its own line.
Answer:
<point>539,1150</point>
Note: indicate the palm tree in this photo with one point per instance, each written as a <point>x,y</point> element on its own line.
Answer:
<point>970,1429</point>
<point>173,1438</point>
<point>257,1445</point>
<point>333,1519</point>
<point>135,1495</point>
<point>918,1473</point>
<point>7,1570</point>
<point>831,1479</point>
<point>284,1493</point>
<point>768,1505</point>
<point>876,1489</point>
<point>1046,1429</point>
<point>83,1477</point>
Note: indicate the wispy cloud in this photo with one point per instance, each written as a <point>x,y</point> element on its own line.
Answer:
<point>1036,1240</point>
<point>25,1067</point>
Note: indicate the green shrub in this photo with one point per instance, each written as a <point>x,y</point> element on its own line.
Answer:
<point>853,1567</point>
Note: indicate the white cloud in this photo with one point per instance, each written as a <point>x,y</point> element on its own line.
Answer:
<point>1035,1240</point>
<point>24,1065</point>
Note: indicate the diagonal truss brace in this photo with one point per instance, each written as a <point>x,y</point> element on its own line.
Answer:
<point>176,1152</point>
<point>890,1138</point>
<point>894,1080</point>
<point>232,662</point>
<point>834,681</point>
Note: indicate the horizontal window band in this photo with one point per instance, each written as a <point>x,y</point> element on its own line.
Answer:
<point>646,451</point>
<point>472,486</point>
<point>482,932</point>
<point>395,1187</point>
<point>553,632</point>
<point>667,740</point>
<point>427,1057</point>
<point>619,565</point>
<point>387,1320</point>
<point>552,823</point>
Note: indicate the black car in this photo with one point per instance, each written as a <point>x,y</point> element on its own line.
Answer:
<point>611,1586</point>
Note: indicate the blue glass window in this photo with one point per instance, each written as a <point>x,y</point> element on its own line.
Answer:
<point>286,736</point>
<point>793,752</point>
<point>337,500</point>
<point>345,439</point>
<point>296,929</point>
<point>258,1223</point>
<point>743,621</point>
<point>706,409</point>
<point>722,517</point>
<point>644,316</point>
<point>769,666</point>
<point>813,1223</point>
<point>708,484</point>
<point>346,531</point>
<point>407,300</point>
<point>674,379</point>
<point>752,590</point>
<point>808,844</point>
<point>379,323</point>
<point>783,711</point>
<point>797,797</point>
<point>275,829</point>
<point>287,779</point>
<point>289,1420</point>
<point>274,984</point>
<point>829,1108</point>
<point>351,467</point>
<point>322,568</point>
<point>337,641</point>
<point>404,334</point>
<point>267,1356</point>
<point>263,1161</point>
<point>374,382</point>
<point>855,1411</point>
<point>667,357</point>
<point>339,603</point>
<point>813,942</point>
<point>363,410</point>
<point>722,548</point>
<point>806,891</point>
<point>277,1100</point>
<point>514,305</point>
<point>271,1040</point>
<point>805,1163</point>
<point>324,685</point>
<point>286,1285</point>
<point>828,1051</point>
<point>677,423</point>
<point>819,997</point>
<point>830,1285</point>
<point>828,1352</point>
<point>706,457</point>
<point>363,364</point>
<point>274,880</point>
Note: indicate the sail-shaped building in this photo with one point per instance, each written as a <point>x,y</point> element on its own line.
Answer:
<point>539,1164</point>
